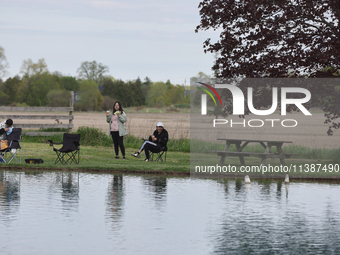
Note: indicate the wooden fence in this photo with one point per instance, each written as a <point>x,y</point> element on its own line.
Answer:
<point>28,125</point>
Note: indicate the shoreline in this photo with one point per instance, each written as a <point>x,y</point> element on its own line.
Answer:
<point>292,178</point>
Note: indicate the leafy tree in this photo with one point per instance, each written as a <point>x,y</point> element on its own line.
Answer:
<point>4,99</point>
<point>272,37</point>
<point>176,95</point>
<point>31,72</point>
<point>129,93</point>
<point>3,63</point>
<point>156,96</point>
<point>12,88</point>
<point>146,85</point>
<point>40,87</point>
<point>108,103</point>
<point>266,38</point>
<point>58,98</point>
<point>90,96</point>
<point>69,83</point>
<point>135,94</point>
<point>92,71</point>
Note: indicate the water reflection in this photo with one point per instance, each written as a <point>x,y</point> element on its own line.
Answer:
<point>9,192</point>
<point>157,186</point>
<point>252,226</point>
<point>115,199</point>
<point>70,190</point>
<point>104,213</point>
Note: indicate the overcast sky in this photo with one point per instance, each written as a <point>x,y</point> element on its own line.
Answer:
<point>134,38</point>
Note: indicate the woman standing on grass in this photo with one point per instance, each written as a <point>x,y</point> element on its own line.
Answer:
<point>117,129</point>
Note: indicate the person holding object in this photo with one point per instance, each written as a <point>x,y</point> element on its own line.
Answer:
<point>156,143</point>
<point>117,129</point>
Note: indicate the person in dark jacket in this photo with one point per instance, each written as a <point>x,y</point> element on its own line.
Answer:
<point>156,143</point>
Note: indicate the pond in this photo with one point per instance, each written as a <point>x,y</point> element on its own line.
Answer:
<point>89,213</point>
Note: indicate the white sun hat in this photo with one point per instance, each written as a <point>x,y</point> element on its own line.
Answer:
<point>159,124</point>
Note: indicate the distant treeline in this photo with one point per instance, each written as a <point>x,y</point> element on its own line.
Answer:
<point>42,88</point>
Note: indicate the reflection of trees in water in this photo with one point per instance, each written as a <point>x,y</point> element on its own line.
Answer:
<point>70,190</point>
<point>238,185</point>
<point>9,191</point>
<point>157,186</point>
<point>115,198</point>
<point>265,227</point>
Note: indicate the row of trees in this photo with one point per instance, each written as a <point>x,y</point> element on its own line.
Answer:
<point>36,86</point>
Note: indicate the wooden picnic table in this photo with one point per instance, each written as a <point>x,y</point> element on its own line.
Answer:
<point>242,143</point>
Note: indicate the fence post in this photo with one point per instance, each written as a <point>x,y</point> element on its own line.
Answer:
<point>71,111</point>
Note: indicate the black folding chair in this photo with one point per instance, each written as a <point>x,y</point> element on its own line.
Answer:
<point>14,146</point>
<point>159,155</point>
<point>69,152</point>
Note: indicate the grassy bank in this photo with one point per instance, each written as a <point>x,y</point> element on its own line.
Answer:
<point>95,137</point>
<point>97,154</point>
<point>100,158</point>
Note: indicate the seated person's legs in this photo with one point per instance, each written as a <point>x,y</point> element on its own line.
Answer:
<point>150,147</point>
<point>137,154</point>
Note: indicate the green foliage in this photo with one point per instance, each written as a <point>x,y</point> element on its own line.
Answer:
<point>11,87</point>
<point>93,137</point>
<point>93,71</point>
<point>22,104</point>
<point>4,99</point>
<point>58,98</point>
<point>108,103</point>
<point>69,83</point>
<point>90,97</point>
<point>182,105</point>
<point>129,93</point>
<point>156,96</point>
<point>40,87</point>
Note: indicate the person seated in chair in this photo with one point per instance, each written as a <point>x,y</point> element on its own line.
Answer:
<point>7,128</point>
<point>156,143</point>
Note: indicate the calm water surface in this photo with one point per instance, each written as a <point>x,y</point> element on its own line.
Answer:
<point>81,213</point>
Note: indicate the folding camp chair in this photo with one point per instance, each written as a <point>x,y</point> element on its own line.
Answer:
<point>14,146</point>
<point>69,152</point>
<point>159,155</point>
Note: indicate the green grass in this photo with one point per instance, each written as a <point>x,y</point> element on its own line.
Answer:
<point>97,154</point>
<point>102,158</point>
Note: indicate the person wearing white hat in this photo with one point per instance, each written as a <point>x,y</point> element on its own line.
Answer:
<point>156,143</point>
